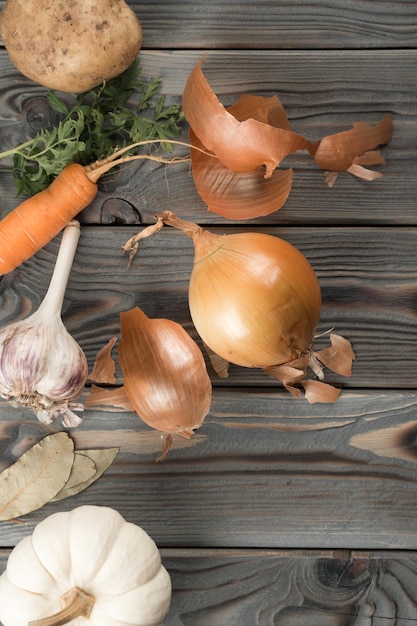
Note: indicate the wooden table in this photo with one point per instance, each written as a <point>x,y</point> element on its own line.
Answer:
<point>277,511</point>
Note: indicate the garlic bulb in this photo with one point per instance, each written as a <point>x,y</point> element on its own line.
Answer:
<point>41,365</point>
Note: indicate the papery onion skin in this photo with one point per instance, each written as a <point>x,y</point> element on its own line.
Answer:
<point>339,151</point>
<point>254,299</point>
<point>237,196</point>
<point>240,146</point>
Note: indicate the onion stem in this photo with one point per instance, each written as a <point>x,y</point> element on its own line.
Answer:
<point>170,219</point>
<point>76,603</point>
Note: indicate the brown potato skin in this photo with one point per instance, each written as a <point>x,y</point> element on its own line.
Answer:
<point>70,46</point>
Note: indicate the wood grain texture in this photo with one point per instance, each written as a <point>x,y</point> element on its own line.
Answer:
<point>276,24</point>
<point>368,279</point>
<point>264,471</point>
<point>277,512</point>
<point>292,588</point>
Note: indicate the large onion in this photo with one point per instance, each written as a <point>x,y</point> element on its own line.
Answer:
<point>254,299</point>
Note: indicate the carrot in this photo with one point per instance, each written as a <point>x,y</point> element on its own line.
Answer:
<point>37,220</point>
<point>33,223</point>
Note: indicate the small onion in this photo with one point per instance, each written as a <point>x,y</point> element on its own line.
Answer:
<point>165,375</point>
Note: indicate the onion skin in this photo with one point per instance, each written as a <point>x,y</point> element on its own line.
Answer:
<point>254,299</point>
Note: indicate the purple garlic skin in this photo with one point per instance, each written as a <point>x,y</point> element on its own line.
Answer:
<point>42,367</point>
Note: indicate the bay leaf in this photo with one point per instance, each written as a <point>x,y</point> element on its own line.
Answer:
<point>82,469</point>
<point>37,476</point>
<point>100,459</point>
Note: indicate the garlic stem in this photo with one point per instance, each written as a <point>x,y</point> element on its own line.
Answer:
<point>76,603</point>
<point>54,297</point>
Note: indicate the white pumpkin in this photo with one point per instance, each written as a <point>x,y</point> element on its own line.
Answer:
<point>91,550</point>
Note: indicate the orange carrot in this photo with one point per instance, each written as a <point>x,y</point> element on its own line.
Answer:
<point>33,223</point>
<point>37,220</point>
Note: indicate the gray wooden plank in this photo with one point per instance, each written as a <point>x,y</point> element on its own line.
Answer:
<point>368,84</point>
<point>367,276</point>
<point>256,588</point>
<point>264,471</point>
<point>278,24</point>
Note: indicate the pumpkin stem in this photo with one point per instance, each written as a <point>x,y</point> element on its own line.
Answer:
<point>75,603</point>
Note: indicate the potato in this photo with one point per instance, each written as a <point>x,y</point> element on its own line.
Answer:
<point>70,46</point>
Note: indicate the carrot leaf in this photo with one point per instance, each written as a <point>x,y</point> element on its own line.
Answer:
<point>123,111</point>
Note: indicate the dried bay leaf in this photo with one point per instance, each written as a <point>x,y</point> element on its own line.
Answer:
<point>81,476</point>
<point>82,469</point>
<point>37,476</point>
<point>102,459</point>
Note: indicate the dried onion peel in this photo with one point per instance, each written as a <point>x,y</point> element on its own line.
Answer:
<point>350,150</point>
<point>243,195</point>
<point>242,146</point>
<point>248,141</point>
<point>237,195</point>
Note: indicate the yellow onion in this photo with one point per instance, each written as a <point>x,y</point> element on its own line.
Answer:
<point>164,372</point>
<point>254,299</point>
